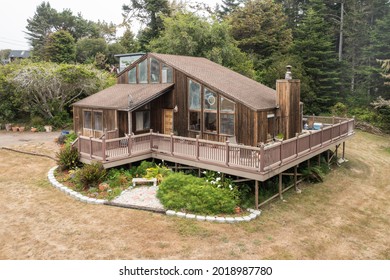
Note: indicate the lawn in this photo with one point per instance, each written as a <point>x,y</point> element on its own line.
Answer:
<point>345,217</point>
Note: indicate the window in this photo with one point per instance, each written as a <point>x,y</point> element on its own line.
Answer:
<point>142,119</point>
<point>143,72</point>
<point>98,121</point>
<point>210,110</point>
<point>226,117</point>
<point>166,74</point>
<point>194,97</point>
<point>195,121</point>
<point>154,71</point>
<point>132,75</point>
<point>88,119</point>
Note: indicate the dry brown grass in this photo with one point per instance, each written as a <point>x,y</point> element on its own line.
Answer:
<point>346,217</point>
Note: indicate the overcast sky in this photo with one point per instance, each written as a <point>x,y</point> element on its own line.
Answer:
<point>14,15</point>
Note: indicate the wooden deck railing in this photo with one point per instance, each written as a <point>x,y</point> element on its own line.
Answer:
<point>257,159</point>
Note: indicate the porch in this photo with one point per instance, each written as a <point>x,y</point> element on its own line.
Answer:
<point>256,163</point>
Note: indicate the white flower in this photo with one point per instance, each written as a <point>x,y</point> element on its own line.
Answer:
<point>218,179</point>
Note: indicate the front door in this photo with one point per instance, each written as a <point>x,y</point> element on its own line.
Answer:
<point>168,121</point>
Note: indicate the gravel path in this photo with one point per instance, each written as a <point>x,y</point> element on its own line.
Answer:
<point>143,196</point>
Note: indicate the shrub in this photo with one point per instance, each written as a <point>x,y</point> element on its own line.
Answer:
<point>91,175</point>
<point>142,168</point>
<point>159,172</point>
<point>68,158</point>
<point>182,192</point>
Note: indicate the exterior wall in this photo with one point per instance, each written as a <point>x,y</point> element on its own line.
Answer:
<point>109,119</point>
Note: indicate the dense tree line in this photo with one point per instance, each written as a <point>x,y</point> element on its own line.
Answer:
<point>336,47</point>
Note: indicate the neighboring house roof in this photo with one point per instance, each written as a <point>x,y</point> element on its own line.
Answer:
<point>234,85</point>
<point>117,96</point>
<point>19,54</point>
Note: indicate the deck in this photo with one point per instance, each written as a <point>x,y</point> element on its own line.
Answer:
<point>257,163</point>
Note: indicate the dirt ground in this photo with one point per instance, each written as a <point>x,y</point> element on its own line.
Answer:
<point>346,217</point>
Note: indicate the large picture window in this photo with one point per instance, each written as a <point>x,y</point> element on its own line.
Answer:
<point>143,72</point>
<point>154,71</point>
<point>133,76</point>
<point>88,119</point>
<point>98,121</point>
<point>166,74</point>
<point>194,104</point>
<point>210,110</point>
<point>226,119</point>
<point>142,119</point>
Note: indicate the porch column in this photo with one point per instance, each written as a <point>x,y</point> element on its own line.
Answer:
<point>129,114</point>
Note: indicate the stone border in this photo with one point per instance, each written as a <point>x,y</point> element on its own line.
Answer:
<point>70,192</point>
<point>253,213</point>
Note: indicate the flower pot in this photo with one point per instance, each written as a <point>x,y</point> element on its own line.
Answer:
<point>48,128</point>
<point>21,129</point>
<point>34,129</point>
<point>8,126</point>
<point>15,128</point>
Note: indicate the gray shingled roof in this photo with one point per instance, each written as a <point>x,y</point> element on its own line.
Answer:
<point>19,54</point>
<point>117,96</point>
<point>234,85</point>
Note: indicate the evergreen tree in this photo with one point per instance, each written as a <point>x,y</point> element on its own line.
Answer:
<point>313,44</point>
<point>60,47</point>
<point>229,6</point>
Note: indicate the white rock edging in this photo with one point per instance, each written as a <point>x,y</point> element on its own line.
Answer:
<point>71,192</point>
<point>253,213</point>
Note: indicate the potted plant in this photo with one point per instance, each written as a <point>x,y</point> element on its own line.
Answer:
<point>15,128</point>
<point>48,128</point>
<point>34,129</point>
<point>8,126</point>
<point>21,128</point>
<point>279,137</point>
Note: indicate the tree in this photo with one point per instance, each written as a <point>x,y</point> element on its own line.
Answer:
<point>229,6</point>
<point>60,47</point>
<point>260,28</point>
<point>149,13</point>
<point>49,88</point>
<point>129,42</point>
<point>313,44</point>
<point>188,34</point>
<point>87,48</point>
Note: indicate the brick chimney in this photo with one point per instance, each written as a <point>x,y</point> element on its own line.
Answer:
<point>288,93</point>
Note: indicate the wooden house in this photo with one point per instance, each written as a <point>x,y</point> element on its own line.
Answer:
<point>190,97</point>
<point>191,111</point>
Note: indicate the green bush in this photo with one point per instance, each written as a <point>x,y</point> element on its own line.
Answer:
<point>159,172</point>
<point>68,158</point>
<point>91,175</point>
<point>187,193</point>
<point>141,170</point>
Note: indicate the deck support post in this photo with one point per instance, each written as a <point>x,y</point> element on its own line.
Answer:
<point>104,148</point>
<point>176,167</point>
<point>257,195</point>
<point>295,178</point>
<point>337,151</point>
<point>319,159</point>
<point>199,172</point>
<point>90,147</point>
<point>227,153</point>
<point>343,150</point>
<point>308,163</point>
<point>328,156</point>
<point>280,186</point>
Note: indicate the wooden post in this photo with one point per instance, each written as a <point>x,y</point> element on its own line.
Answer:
<point>327,157</point>
<point>227,152</point>
<point>319,159</point>
<point>297,144</point>
<point>90,147</point>
<point>280,186</point>
<point>151,139</point>
<point>197,147</point>
<point>104,147</point>
<point>79,144</point>
<point>281,152</point>
<point>129,144</point>
<point>339,129</point>
<point>295,177</point>
<point>172,144</point>
<point>308,163</point>
<point>343,150</point>
<point>331,134</point>
<point>262,158</point>
<point>257,195</point>
<point>322,136</point>
<point>310,140</point>
<point>176,167</point>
